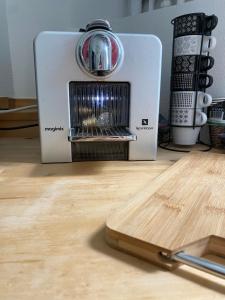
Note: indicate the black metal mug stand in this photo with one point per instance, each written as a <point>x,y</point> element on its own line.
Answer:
<point>197,73</point>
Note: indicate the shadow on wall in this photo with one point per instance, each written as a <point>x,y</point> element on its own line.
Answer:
<point>158,22</point>
<point>140,6</point>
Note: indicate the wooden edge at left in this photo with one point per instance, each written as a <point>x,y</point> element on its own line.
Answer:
<point>152,253</point>
<point>138,248</point>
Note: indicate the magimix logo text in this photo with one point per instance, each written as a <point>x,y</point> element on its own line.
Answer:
<point>53,129</point>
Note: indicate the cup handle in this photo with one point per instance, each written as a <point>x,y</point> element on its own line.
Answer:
<point>211,22</point>
<point>210,63</point>
<point>203,119</point>
<point>210,81</point>
<point>205,99</point>
<point>212,41</point>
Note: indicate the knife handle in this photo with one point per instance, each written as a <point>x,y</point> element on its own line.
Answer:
<point>200,263</point>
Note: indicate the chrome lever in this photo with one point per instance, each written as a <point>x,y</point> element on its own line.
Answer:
<point>100,53</point>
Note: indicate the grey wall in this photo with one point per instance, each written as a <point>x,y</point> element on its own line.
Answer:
<point>26,18</point>
<point>158,22</point>
<point>21,21</point>
<point>6,83</point>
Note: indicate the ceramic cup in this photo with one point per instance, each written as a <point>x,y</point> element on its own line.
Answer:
<point>185,136</point>
<point>190,81</point>
<point>185,117</point>
<point>187,100</point>
<point>195,23</point>
<point>192,63</point>
<point>193,45</point>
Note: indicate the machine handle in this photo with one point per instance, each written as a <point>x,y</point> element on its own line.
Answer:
<point>200,264</point>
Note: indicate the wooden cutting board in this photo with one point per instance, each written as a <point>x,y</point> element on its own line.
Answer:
<point>182,210</point>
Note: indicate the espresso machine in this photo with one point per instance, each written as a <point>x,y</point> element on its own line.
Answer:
<point>98,94</point>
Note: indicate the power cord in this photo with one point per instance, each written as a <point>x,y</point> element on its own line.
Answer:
<point>6,111</point>
<point>167,147</point>
<point>19,127</point>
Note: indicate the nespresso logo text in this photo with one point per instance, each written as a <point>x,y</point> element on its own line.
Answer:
<point>144,128</point>
<point>53,129</point>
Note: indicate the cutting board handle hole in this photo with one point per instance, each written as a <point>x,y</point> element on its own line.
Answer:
<point>163,254</point>
<point>165,258</point>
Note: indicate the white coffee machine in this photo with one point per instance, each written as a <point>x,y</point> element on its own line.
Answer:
<point>98,94</point>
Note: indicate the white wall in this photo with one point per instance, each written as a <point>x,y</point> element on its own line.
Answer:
<point>26,18</point>
<point>6,87</point>
<point>158,22</point>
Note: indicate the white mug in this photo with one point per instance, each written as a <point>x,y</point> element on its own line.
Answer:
<point>185,135</point>
<point>187,100</point>
<point>185,117</point>
<point>191,45</point>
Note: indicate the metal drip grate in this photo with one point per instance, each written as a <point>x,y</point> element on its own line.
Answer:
<point>101,134</point>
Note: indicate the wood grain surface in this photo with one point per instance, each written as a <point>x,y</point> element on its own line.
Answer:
<point>52,232</point>
<point>184,208</point>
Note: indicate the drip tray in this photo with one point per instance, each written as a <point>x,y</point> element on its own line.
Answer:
<point>101,134</point>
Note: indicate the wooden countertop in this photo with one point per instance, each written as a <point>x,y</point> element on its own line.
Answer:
<point>52,231</point>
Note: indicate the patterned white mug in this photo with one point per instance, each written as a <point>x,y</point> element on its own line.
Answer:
<point>187,99</point>
<point>185,117</point>
<point>191,45</point>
